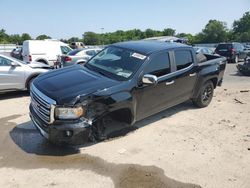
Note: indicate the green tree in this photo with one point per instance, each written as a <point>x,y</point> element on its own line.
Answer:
<point>168,32</point>
<point>25,36</point>
<point>16,39</point>
<point>91,38</point>
<point>42,37</point>
<point>4,38</point>
<point>149,33</point>
<point>243,24</point>
<point>215,31</point>
<point>241,28</point>
<point>74,39</point>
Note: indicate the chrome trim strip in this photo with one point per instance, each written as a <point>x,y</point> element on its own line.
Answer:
<point>48,103</point>
<point>175,73</point>
<point>39,93</point>
<point>52,114</point>
<point>46,135</point>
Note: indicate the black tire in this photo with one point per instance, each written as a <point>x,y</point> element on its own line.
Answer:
<point>236,59</point>
<point>29,83</point>
<point>42,61</point>
<point>205,96</point>
<point>81,63</point>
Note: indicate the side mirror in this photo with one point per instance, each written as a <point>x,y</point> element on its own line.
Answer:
<point>14,64</point>
<point>149,79</point>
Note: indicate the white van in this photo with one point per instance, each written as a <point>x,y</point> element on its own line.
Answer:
<point>44,51</point>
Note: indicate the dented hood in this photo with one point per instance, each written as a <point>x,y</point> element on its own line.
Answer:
<point>64,85</point>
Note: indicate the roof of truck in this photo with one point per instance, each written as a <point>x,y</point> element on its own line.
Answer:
<point>148,47</point>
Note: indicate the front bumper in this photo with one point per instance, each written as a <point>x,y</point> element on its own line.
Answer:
<point>73,133</point>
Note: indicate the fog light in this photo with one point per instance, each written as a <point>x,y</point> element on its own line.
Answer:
<point>68,133</point>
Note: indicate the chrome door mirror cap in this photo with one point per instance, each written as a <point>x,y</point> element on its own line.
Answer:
<point>149,79</point>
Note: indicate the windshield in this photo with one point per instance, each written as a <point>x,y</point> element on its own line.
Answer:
<point>117,63</point>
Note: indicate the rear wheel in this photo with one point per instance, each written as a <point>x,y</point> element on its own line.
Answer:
<point>205,96</point>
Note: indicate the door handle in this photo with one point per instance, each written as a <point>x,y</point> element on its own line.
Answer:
<point>193,74</point>
<point>169,83</point>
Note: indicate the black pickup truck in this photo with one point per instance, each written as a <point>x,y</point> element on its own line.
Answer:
<point>126,81</point>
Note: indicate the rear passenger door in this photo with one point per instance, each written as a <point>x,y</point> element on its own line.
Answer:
<point>185,75</point>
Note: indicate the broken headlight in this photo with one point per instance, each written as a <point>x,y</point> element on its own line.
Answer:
<point>65,113</point>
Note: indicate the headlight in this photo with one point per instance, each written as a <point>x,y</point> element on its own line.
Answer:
<point>69,113</point>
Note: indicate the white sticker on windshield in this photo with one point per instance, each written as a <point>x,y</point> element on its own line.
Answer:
<point>139,56</point>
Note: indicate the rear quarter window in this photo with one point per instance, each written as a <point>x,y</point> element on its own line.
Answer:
<point>183,59</point>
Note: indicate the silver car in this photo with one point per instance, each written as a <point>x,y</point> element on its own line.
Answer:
<point>18,75</point>
<point>78,56</point>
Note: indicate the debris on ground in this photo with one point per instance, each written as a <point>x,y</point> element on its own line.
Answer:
<point>238,101</point>
<point>244,91</point>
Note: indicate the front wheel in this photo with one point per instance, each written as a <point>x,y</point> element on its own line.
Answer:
<point>205,96</point>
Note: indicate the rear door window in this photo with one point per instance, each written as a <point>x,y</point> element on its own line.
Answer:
<point>159,65</point>
<point>183,59</point>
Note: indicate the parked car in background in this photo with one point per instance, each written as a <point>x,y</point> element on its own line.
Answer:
<point>18,75</point>
<point>245,68</point>
<point>126,81</point>
<point>247,49</point>
<point>204,50</point>
<point>44,51</point>
<point>79,56</point>
<point>17,53</point>
<point>232,51</point>
<point>77,45</point>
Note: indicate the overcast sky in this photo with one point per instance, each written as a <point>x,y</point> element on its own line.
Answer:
<point>65,18</point>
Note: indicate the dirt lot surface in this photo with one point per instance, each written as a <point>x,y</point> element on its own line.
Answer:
<point>180,147</point>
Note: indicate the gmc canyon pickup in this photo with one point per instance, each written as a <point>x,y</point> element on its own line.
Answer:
<point>126,81</point>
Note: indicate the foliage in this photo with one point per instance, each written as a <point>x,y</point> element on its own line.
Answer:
<point>241,28</point>
<point>215,31</point>
<point>91,38</point>
<point>42,37</point>
<point>25,36</point>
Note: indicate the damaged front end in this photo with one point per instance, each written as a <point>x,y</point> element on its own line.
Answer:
<point>71,123</point>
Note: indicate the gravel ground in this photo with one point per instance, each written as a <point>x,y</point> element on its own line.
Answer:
<point>180,147</point>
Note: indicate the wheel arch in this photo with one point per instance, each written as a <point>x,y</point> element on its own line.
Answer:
<point>197,90</point>
<point>30,78</point>
<point>42,60</point>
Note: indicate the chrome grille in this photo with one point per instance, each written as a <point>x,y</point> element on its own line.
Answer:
<point>42,105</point>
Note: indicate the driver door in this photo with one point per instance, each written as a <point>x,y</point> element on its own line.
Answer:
<point>11,77</point>
<point>154,98</point>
